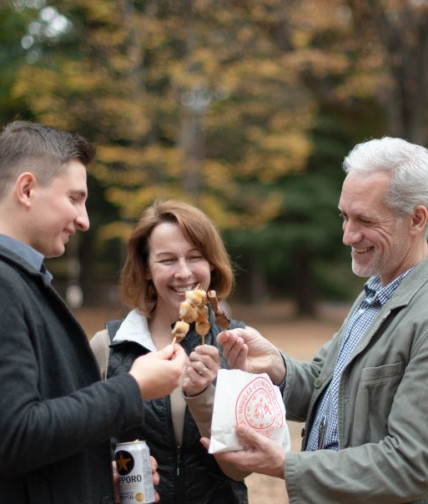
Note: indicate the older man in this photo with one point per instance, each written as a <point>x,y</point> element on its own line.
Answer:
<point>364,396</point>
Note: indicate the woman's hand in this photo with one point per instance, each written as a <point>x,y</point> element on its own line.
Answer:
<point>201,369</point>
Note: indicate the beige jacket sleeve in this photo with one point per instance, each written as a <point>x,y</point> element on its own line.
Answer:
<point>100,346</point>
<point>201,408</point>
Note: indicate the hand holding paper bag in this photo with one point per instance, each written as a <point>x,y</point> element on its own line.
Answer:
<point>261,454</point>
<point>251,399</point>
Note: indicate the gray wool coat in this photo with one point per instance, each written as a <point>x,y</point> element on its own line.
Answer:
<point>56,416</point>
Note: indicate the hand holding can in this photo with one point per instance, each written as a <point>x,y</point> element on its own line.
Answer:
<point>134,466</point>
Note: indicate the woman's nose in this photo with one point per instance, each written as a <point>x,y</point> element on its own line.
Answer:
<point>183,268</point>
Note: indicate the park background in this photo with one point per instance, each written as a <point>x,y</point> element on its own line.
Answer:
<point>245,108</point>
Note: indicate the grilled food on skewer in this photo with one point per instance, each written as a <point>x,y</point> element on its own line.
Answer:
<point>220,316</point>
<point>194,309</point>
<point>181,328</point>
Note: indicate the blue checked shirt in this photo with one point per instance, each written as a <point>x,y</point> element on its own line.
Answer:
<point>323,434</point>
<point>27,253</point>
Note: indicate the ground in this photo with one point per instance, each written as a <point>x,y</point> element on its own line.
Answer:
<point>300,338</point>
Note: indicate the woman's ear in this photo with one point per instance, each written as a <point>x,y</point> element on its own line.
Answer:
<point>23,187</point>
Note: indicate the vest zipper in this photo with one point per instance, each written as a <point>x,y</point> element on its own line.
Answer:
<point>178,460</point>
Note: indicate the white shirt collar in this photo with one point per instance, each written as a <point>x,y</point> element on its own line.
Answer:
<point>135,328</point>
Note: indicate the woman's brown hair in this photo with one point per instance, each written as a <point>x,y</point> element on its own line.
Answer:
<point>137,291</point>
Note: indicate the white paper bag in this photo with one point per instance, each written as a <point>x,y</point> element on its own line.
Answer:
<point>253,399</point>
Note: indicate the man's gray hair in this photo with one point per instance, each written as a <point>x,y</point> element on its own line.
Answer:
<point>407,164</point>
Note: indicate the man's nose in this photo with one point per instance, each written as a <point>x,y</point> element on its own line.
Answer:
<point>351,233</point>
<point>82,220</point>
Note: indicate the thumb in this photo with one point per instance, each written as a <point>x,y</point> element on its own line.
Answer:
<point>205,443</point>
<point>248,436</point>
<point>166,352</point>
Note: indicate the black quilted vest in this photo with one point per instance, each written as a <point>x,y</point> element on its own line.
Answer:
<point>188,474</point>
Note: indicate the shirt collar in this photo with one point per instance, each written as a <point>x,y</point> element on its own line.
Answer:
<point>30,255</point>
<point>375,291</point>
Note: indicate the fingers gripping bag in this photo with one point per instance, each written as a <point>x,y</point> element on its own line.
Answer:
<point>253,399</point>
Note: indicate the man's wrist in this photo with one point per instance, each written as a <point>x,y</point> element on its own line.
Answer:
<point>278,369</point>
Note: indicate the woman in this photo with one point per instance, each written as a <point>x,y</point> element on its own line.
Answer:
<point>175,248</point>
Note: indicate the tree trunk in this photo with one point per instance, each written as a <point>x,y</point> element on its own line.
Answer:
<point>305,289</point>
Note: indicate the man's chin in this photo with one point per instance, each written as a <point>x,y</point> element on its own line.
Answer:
<point>361,271</point>
<point>57,252</point>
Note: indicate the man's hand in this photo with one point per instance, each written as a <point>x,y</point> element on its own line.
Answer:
<point>155,476</point>
<point>159,373</point>
<point>248,350</point>
<point>261,454</point>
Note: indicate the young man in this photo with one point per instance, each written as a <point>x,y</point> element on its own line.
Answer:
<point>56,415</point>
<point>364,396</point>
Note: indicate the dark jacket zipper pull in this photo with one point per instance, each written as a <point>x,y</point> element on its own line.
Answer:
<point>178,460</point>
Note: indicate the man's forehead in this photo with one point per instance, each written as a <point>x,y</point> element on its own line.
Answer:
<point>361,186</point>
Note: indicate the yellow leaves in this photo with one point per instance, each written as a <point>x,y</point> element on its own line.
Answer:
<point>268,69</point>
<point>315,16</point>
<point>275,155</point>
<point>216,174</point>
<point>117,229</point>
<point>222,216</point>
<point>361,85</point>
<point>132,68</point>
<point>257,211</point>
<point>46,80</point>
<point>104,11</point>
<point>321,63</point>
<point>132,202</point>
<point>267,209</point>
<point>131,167</point>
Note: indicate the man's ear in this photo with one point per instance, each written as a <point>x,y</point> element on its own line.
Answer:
<point>419,218</point>
<point>24,185</point>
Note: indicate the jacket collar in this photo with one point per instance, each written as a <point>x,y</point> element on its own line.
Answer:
<point>402,296</point>
<point>135,328</point>
<point>410,285</point>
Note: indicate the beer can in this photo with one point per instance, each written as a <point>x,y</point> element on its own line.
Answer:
<point>135,473</point>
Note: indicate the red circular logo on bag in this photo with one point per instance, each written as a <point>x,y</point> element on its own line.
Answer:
<point>257,406</point>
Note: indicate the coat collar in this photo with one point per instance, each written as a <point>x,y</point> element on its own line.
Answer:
<point>403,295</point>
<point>135,328</point>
